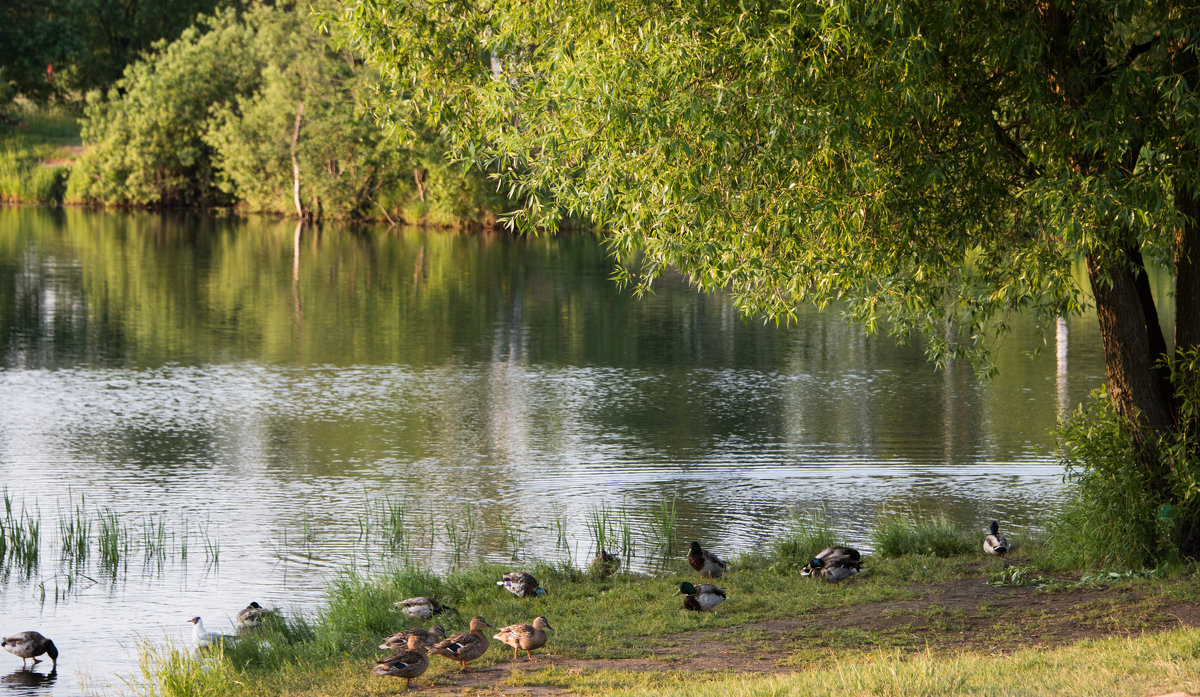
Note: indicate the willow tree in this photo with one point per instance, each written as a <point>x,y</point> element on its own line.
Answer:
<point>937,165</point>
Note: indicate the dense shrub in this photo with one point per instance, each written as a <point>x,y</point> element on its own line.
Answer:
<point>210,119</point>
<point>1118,513</point>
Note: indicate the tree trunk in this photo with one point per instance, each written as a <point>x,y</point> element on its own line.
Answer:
<point>1187,270</point>
<point>1134,348</point>
<point>296,162</point>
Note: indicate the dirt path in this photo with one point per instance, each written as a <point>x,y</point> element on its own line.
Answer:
<point>955,615</point>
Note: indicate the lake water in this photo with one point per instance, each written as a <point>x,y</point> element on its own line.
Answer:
<point>240,417</point>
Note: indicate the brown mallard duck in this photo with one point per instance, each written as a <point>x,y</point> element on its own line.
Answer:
<point>421,607</point>
<point>466,646</point>
<point>428,637</point>
<point>702,598</point>
<point>29,645</point>
<point>521,584</point>
<point>407,664</point>
<point>524,637</point>
<point>995,543</point>
<point>706,563</point>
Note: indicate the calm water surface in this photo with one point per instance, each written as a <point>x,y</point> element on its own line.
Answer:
<point>253,414</point>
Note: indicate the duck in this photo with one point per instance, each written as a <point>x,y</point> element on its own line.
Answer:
<point>605,563</point>
<point>204,639</point>
<point>995,543</point>
<point>521,584</point>
<point>29,645</point>
<point>836,555</point>
<point>834,569</point>
<point>708,564</point>
<point>466,646</point>
<point>524,637</point>
<point>408,664</point>
<point>429,637</point>
<point>421,607</point>
<point>253,615</point>
<point>702,598</point>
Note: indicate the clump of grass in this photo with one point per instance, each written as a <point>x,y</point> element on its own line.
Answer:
<point>664,527</point>
<point>937,536</point>
<point>112,539</point>
<point>805,538</point>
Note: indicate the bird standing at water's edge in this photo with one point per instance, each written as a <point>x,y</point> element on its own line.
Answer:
<point>29,645</point>
<point>706,563</point>
<point>203,639</point>
<point>995,543</point>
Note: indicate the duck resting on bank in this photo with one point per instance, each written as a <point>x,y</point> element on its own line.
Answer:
<point>836,555</point>
<point>702,598</point>
<point>521,584</point>
<point>421,607</point>
<point>428,637</point>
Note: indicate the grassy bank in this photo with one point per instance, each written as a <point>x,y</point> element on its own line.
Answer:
<point>36,153</point>
<point>912,624</point>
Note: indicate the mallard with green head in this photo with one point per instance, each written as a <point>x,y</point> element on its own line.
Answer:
<point>466,646</point>
<point>833,556</point>
<point>995,543</point>
<point>701,598</point>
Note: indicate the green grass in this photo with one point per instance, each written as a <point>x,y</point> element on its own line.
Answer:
<point>31,153</point>
<point>938,536</point>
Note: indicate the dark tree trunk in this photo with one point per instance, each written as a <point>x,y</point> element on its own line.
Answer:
<point>1134,348</point>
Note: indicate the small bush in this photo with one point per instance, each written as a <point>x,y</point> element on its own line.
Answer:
<point>896,536</point>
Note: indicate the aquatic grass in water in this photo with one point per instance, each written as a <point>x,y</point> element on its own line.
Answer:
<point>75,534</point>
<point>664,526</point>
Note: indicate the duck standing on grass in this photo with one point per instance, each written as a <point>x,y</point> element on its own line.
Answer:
<point>407,664</point>
<point>29,645</point>
<point>399,640</point>
<point>420,608</point>
<point>702,598</point>
<point>995,543</point>
<point>707,564</point>
<point>466,646</point>
<point>521,584</point>
<point>525,637</point>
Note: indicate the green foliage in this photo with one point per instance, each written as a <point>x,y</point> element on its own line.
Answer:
<point>1122,515</point>
<point>148,132</point>
<point>804,539</point>
<point>938,536</point>
<point>211,119</point>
